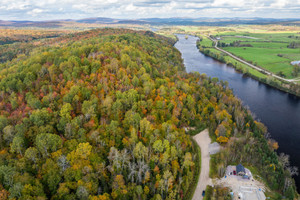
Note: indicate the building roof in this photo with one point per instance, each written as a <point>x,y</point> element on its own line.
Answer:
<point>240,168</point>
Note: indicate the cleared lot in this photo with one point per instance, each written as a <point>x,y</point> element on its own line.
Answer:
<point>246,189</point>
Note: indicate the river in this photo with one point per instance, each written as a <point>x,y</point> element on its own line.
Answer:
<point>279,111</point>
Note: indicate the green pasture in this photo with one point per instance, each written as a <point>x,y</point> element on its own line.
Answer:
<point>267,58</point>
<point>244,67</point>
<point>269,45</point>
<point>269,51</point>
<point>250,70</point>
<point>279,37</point>
<point>240,66</point>
<point>229,39</point>
<point>206,42</point>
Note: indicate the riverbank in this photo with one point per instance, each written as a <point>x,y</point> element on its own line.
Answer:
<point>279,84</point>
<point>262,100</point>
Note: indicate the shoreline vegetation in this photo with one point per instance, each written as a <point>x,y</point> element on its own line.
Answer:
<point>211,51</point>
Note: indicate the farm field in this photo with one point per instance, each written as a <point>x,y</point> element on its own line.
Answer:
<point>269,51</point>
<point>208,44</point>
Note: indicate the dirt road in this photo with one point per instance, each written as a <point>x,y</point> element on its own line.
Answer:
<point>203,141</point>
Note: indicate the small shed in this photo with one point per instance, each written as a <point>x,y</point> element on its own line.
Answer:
<point>240,170</point>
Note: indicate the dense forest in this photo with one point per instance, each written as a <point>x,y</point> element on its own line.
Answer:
<point>101,115</point>
<point>14,41</point>
<point>8,36</point>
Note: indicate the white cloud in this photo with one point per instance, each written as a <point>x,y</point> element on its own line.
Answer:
<point>35,12</point>
<point>59,9</point>
<point>130,7</point>
<point>194,5</point>
<point>16,6</point>
<point>79,6</point>
<point>233,3</point>
<point>279,4</point>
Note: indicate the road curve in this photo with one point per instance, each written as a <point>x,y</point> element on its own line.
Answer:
<point>250,65</point>
<point>203,140</point>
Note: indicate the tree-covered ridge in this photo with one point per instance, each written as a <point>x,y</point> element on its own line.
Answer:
<point>101,115</point>
<point>14,42</point>
<point>8,36</point>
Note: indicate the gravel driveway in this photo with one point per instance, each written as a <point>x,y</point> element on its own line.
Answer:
<point>203,141</point>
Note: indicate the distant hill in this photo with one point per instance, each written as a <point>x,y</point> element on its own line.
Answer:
<point>189,21</point>
<point>43,24</point>
<point>154,21</point>
<point>101,20</point>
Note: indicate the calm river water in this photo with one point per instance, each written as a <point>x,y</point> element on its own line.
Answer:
<point>279,111</point>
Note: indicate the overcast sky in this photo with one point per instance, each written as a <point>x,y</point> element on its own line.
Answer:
<point>78,9</point>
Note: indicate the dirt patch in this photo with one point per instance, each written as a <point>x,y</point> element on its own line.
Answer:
<point>246,189</point>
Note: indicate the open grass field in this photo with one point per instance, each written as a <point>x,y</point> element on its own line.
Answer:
<point>206,42</point>
<point>240,66</point>
<point>267,50</point>
<point>209,44</point>
<point>268,58</point>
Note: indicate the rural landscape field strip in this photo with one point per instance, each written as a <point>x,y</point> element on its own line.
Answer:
<point>250,65</point>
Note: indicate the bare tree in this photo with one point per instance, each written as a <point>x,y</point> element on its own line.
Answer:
<point>63,162</point>
<point>124,158</point>
<point>284,159</point>
<point>142,168</point>
<point>287,183</point>
<point>95,136</point>
<point>68,130</point>
<point>132,171</point>
<point>293,170</point>
<point>114,158</point>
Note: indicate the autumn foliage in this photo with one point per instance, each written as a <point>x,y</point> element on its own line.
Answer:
<point>101,115</point>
